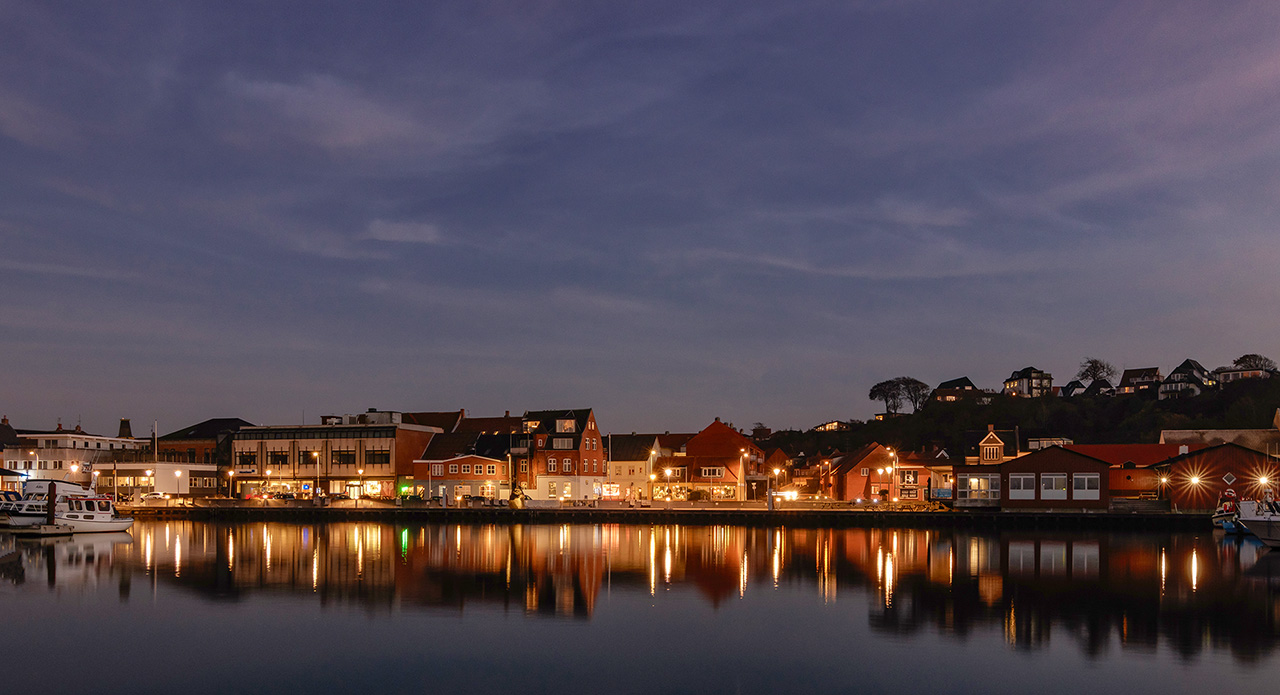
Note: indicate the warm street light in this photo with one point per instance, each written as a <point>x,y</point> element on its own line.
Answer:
<point>360,490</point>
<point>152,478</point>
<point>315,459</point>
<point>667,474</point>
<point>231,475</point>
<point>1195,480</point>
<point>268,490</point>
<point>95,481</point>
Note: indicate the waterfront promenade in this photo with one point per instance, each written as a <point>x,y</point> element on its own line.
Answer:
<point>797,514</point>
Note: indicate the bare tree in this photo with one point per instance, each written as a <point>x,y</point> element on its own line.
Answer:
<point>890,392</point>
<point>1093,369</point>
<point>915,392</point>
<point>1253,361</point>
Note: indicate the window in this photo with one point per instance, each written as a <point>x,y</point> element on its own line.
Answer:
<point>561,443</point>
<point>453,468</point>
<point>437,469</point>
<point>466,469</point>
<point>1085,486</point>
<point>1022,486</point>
<point>979,487</point>
<point>551,490</point>
<point>1053,486</point>
<point>377,458</point>
<point>344,458</point>
<point>492,469</point>
<point>990,453</point>
<point>865,472</point>
<point>568,465</point>
<point>551,465</point>
<point>908,477</point>
<point>713,471</point>
<point>566,426</point>
<point>524,466</point>
<point>278,459</point>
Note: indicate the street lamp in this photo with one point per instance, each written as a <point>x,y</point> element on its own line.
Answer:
<point>151,479</point>
<point>315,459</point>
<point>268,490</point>
<point>95,481</point>
<point>652,477</point>
<point>231,475</point>
<point>666,473</point>
<point>177,488</point>
<point>360,490</point>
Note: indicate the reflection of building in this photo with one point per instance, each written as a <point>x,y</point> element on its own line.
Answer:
<point>374,449</point>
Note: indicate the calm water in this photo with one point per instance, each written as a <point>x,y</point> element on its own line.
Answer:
<point>192,608</point>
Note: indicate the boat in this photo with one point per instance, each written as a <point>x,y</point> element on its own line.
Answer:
<point>1226,516</point>
<point>1262,519</point>
<point>76,510</point>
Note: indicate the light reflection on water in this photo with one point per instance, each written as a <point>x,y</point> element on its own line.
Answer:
<point>1188,595</point>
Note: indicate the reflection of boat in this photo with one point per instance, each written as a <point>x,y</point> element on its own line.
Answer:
<point>76,510</point>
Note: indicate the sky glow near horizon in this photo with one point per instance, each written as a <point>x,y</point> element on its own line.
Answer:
<point>669,211</point>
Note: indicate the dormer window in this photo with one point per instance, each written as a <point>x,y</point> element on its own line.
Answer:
<point>990,453</point>
<point>566,426</point>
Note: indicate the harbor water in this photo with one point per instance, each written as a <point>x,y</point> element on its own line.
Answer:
<point>197,607</point>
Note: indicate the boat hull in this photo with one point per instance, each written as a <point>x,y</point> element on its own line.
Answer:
<point>1261,522</point>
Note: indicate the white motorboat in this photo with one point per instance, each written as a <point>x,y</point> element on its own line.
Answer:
<point>76,507</point>
<point>1262,519</point>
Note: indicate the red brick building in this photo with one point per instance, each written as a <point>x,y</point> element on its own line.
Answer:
<point>717,461</point>
<point>560,455</point>
<point>1055,479</point>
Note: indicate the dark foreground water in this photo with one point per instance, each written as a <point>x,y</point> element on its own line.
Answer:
<point>186,607</point>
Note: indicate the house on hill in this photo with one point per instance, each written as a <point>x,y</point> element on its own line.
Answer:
<point>1028,382</point>
<point>1187,379</point>
<point>1136,381</point>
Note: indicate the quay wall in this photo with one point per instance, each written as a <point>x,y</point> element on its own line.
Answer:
<point>799,518</point>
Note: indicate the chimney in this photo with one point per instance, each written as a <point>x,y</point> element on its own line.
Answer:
<point>991,428</point>
<point>59,425</point>
<point>507,414</point>
<point>126,430</point>
<point>4,420</point>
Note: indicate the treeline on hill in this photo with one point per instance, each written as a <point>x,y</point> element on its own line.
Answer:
<point>1245,404</point>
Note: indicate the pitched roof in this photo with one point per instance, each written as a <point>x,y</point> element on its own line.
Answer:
<point>1097,386</point>
<point>209,429</point>
<point>448,445</point>
<point>844,463</point>
<point>630,447</point>
<point>1142,374</point>
<point>1140,455</point>
<point>8,436</point>
<point>676,441</point>
<point>961,383</point>
<point>494,446</point>
<point>502,424</point>
<point>972,438</point>
<point>546,419</point>
<point>446,420</point>
<point>1025,373</point>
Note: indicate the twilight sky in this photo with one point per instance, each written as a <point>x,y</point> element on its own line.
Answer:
<point>667,211</point>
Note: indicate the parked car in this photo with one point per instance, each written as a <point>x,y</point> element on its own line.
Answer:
<point>284,496</point>
<point>154,496</point>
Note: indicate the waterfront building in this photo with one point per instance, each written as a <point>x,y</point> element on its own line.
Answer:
<point>64,454</point>
<point>560,455</point>
<point>204,442</point>
<point>456,465</point>
<point>858,476</point>
<point>1055,479</point>
<point>631,460</point>
<point>1265,440</point>
<point>1133,474</point>
<point>1194,481</point>
<point>717,463</point>
<point>369,454</point>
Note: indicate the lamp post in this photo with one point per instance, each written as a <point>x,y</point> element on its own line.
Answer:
<point>231,476</point>
<point>893,463</point>
<point>37,458</point>
<point>315,459</point>
<point>652,477</point>
<point>360,490</point>
<point>151,479</point>
<point>776,471</point>
<point>666,474</point>
<point>94,483</point>
<point>267,491</point>
<point>177,485</point>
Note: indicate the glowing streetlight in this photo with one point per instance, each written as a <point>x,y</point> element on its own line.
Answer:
<point>1195,480</point>
<point>268,490</point>
<point>95,480</point>
<point>315,459</point>
<point>666,473</point>
<point>231,476</point>
<point>652,477</point>
<point>360,491</point>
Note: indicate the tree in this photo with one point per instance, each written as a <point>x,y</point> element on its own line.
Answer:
<point>915,392</point>
<point>1252,361</point>
<point>890,392</point>
<point>1093,369</point>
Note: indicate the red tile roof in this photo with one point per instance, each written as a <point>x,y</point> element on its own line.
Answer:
<point>1140,455</point>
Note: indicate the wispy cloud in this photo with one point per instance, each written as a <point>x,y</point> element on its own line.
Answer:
<point>403,232</point>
